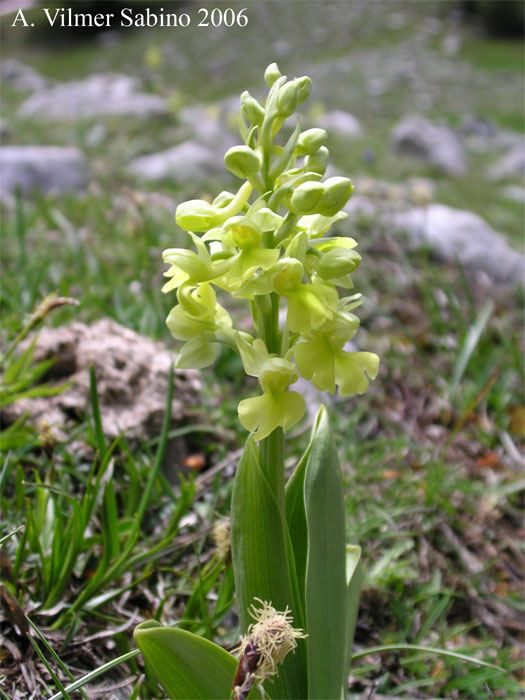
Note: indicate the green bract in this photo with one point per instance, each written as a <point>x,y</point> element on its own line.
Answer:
<point>274,252</point>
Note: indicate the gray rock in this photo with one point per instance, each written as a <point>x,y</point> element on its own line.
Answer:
<point>42,167</point>
<point>132,379</point>
<point>97,96</point>
<point>22,77</point>
<point>340,123</point>
<point>509,166</point>
<point>184,163</point>
<point>372,197</point>
<point>506,139</point>
<point>435,144</point>
<point>481,135</point>
<point>454,234</point>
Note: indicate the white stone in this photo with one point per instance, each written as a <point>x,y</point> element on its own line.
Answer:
<point>44,168</point>
<point>437,145</point>
<point>514,192</point>
<point>205,126</point>
<point>97,96</point>
<point>22,77</point>
<point>509,166</point>
<point>187,162</point>
<point>454,234</point>
<point>340,123</point>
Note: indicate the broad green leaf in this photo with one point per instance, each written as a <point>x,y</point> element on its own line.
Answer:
<point>188,667</point>
<point>354,581</point>
<point>260,563</point>
<point>325,591</point>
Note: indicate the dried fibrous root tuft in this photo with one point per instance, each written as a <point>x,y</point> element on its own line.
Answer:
<point>264,647</point>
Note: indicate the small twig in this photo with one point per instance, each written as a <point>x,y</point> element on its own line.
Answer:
<point>202,480</point>
<point>517,459</point>
<point>471,561</point>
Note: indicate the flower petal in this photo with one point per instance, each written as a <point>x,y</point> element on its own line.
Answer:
<point>351,370</point>
<point>258,414</point>
<point>315,361</point>
<point>263,414</point>
<point>196,354</point>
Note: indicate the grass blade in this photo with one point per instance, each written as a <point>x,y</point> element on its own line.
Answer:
<point>95,674</point>
<point>472,339</point>
<point>56,657</point>
<point>97,420</point>
<point>427,650</point>
<point>160,450</point>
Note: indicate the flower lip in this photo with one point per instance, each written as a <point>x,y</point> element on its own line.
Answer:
<point>287,276</point>
<point>244,233</point>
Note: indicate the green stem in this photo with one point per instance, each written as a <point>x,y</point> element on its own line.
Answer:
<point>289,222</point>
<point>271,450</point>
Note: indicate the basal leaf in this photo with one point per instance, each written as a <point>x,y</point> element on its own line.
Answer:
<point>354,581</point>
<point>260,563</point>
<point>188,667</point>
<point>325,591</point>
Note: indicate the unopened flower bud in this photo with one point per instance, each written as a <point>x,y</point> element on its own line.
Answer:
<point>304,85</point>
<point>286,101</point>
<point>337,191</point>
<point>337,263</point>
<point>195,215</point>
<point>242,161</point>
<point>271,74</point>
<point>310,141</point>
<point>317,163</point>
<point>251,108</point>
<point>305,197</point>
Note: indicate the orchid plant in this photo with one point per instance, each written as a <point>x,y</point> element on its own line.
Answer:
<point>297,583</point>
